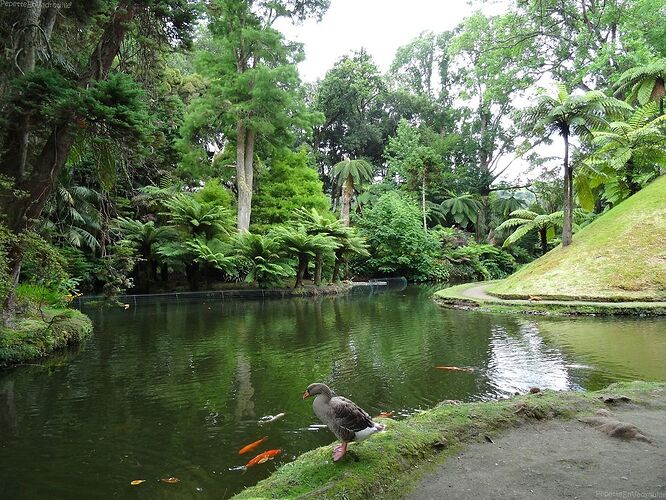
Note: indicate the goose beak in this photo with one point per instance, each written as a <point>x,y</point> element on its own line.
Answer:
<point>306,395</point>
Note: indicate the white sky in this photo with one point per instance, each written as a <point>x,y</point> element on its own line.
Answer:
<point>379,26</point>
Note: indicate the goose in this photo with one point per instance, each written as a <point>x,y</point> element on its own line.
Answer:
<point>343,417</point>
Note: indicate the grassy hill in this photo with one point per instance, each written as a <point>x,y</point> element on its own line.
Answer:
<point>620,256</point>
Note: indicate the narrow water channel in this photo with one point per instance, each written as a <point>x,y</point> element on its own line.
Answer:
<point>177,389</point>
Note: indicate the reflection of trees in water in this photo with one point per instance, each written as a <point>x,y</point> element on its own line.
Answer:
<point>8,417</point>
<point>245,390</point>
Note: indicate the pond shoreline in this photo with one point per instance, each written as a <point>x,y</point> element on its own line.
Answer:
<point>233,294</point>
<point>476,296</point>
<point>391,463</point>
<point>37,335</point>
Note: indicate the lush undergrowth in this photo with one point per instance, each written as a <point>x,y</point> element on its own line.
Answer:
<point>618,257</point>
<point>40,333</point>
<point>385,465</point>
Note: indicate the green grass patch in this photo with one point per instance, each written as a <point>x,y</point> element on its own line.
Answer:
<point>388,463</point>
<point>621,256</point>
<point>39,334</point>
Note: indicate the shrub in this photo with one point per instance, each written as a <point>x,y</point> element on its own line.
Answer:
<point>397,241</point>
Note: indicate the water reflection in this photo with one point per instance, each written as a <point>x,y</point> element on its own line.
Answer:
<point>520,360</point>
<point>176,389</point>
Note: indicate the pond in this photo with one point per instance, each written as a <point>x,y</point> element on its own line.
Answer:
<point>176,389</point>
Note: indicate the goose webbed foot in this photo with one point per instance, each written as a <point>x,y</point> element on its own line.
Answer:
<point>339,451</point>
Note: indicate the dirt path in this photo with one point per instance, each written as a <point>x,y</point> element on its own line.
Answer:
<point>479,292</point>
<point>558,459</point>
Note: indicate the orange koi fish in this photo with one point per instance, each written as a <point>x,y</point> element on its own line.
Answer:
<point>455,369</point>
<point>385,414</point>
<point>252,446</point>
<point>263,457</point>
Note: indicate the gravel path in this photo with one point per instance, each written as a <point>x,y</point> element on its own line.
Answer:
<point>558,459</point>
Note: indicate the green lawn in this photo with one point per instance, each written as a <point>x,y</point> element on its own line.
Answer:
<point>620,256</point>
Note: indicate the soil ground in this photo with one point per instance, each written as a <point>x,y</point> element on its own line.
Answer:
<point>558,459</point>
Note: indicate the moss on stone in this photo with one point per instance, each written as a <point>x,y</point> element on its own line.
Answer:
<point>39,334</point>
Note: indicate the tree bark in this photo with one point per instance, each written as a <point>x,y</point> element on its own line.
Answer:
<point>336,266</point>
<point>543,236</point>
<point>319,266</point>
<point>244,174</point>
<point>25,58</point>
<point>22,211</point>
<point>481,230</point>
<point>347,191</point>
<point>302,266</point>
<point>567,226</point>
<point>634,187</point>
<point>423,203</point>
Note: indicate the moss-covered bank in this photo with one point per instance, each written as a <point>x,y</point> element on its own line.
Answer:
<point>388,463</point>
<point>476,296</point>
<point>41,333</point>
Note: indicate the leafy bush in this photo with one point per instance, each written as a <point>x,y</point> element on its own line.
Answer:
<point>289,183</point>
<point>6,239</point>
<point>267,265</point>
<point>399,245</point>
<point>478,261</point>
<point>43,263</point>
<point>114,271</point>
<point>31,294</point>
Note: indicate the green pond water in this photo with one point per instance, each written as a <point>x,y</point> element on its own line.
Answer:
<point>176,389</point>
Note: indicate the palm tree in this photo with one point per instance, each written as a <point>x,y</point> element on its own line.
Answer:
<point>350,243</point>
<point>464,209</point>
<point>316,223</point>
<point>635,148</point>
<point>147,239</point>
<point>268,265</point>
<point>569,114</point>
<point>644,83</point>
<point>350,174</point>
<point>503,206</point>
<point>526,221</point>
<point>213,253</point>
<point>298,242</point>
<point>199,219</point>
<point>72,214</point>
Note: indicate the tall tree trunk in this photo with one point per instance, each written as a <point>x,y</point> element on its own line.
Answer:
<point>423,203</point>
<point>302,266</point>
<point>319,267</point>
<point>244,174</point>
<point>567,226</point>
<point>634,187</point>
<point>347,191</point>
<point>26,62</point>
<point>481,230</point>
<point>22,211</point>
<point>336,267</point>
<point>543,236</point>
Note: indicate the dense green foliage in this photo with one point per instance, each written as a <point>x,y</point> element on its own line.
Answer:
<point>165,145</point>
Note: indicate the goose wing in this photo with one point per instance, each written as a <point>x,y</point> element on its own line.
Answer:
<point>349,417</point>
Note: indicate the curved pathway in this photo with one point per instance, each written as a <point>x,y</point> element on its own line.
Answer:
<point>477,293</point>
